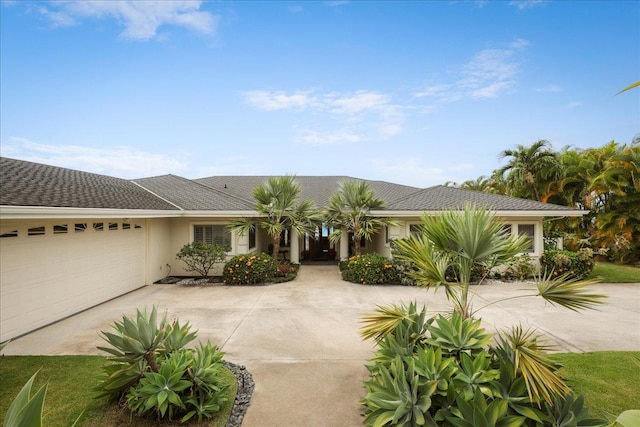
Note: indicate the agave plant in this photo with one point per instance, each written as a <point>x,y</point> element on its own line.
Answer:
<point>152,371</point>
<point>26,410</point>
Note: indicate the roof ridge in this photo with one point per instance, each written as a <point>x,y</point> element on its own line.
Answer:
<point>157,195</point>
<point>233,196</point>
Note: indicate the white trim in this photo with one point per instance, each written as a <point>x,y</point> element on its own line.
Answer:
<point>46,212</point>
<point>529,214</point>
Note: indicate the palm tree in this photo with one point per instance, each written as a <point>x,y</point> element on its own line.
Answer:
<point>460,240</point>
<point>530,169</point>
<point>277,203</point>
<point>350,209</point>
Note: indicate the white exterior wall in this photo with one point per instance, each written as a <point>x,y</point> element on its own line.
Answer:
<point>159,255</point>
<point>44,278</point>
<point>182,233</point>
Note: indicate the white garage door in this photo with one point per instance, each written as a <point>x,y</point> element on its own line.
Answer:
<point>51,270</point>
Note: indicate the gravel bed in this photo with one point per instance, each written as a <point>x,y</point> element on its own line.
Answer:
<point>243,396</point>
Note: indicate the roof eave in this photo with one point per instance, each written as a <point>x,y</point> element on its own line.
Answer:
<point>506,214</point>
<point>49,212</point>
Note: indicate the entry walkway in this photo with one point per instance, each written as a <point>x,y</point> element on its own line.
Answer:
<point>300,339</point>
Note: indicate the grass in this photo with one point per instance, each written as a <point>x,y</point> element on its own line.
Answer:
<point>613,273</point>
<point>608,379</point>
<point>70,379</point>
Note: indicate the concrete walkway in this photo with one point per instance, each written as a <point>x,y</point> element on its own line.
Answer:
<point>300,339</point>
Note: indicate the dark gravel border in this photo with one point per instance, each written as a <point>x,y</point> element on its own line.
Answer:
<point>243,396</point>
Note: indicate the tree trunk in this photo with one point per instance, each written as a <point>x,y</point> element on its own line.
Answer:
<point>276,247</point>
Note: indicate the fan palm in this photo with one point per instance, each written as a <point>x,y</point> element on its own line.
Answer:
<point>350,209</point>
<point>459,240</point>
<point>279,207</point>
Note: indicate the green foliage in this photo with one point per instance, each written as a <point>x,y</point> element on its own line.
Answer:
<point>578,265</point>
<point>26,410</point>
<point>455,335</point>
<point>151,369</point>
<point>446,372</point>
<point>249,269</point>
<point>457,242</point>
<point>519,268</point>
<point>200,257</point>
<point>349,210</point>
<point>370,269</point>
<point>279,208</point>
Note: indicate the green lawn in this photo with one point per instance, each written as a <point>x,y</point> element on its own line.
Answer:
<point>608,379</point>
<point>70,379</point>
<point>613,273</point>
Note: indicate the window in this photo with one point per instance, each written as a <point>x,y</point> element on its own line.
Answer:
<point>36,231</point>
<point>9,233</point>
<point>80,227</point>
<point>60,229</point>
<point>252,237</point>
<point>528,230</point>
<point>137,226</point>
<point>414,229</point>
<point>126,226</point>
<point>213,234</point>
<point>98,226</point>
<point>113,226</point>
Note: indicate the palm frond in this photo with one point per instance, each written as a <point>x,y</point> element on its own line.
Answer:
<point>385,319</point>
<point>527,352</point>
<point>573,294</point>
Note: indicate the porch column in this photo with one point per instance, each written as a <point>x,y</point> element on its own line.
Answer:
<point>294,247</point>
<point>344,246</point>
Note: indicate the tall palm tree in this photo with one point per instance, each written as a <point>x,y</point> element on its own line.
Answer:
<point>277,203</point>
<point>350,209</point>
<point>531,169</point>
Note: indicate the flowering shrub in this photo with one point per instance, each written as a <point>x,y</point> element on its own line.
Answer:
<point>370,269</point>
<point>249,269</point>
<point>520,268</point>
<point>576,264</point>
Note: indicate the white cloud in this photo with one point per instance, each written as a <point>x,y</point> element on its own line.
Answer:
<point>141,19</point>
<point>489,74</point>
<point>356,103</point>
<point>329,138</point>
<point>122,161</point>
<point>278,100</point>
<point>350,117</point>
<point>416,171</point>
<point>526,4</point>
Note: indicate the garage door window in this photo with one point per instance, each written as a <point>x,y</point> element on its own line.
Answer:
<point>36,231</point>
<point>213,234</point>
<point>60,229</point>
<point>9,233</point>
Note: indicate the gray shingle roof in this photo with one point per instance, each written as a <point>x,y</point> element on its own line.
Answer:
<point>33,184</point>
<point>193,196</point>
<point>25,183</point>
<point>316,188</point>
<point>443,198</point>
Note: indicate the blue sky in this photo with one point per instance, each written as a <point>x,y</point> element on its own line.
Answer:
<point>417,93</point>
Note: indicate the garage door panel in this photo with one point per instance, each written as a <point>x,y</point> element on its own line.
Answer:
<point>46,278</point>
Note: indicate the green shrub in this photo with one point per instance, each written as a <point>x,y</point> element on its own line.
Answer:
<point>576,265</point>
<point>200,257</point>
<point>152,371</point>
<point>448,371</point>
<point>520,268</point>
<point>370,269</point>
<point>249,269</point>
<point>286,272</point>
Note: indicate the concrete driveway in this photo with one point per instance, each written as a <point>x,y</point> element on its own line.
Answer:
<point>300,339</point>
